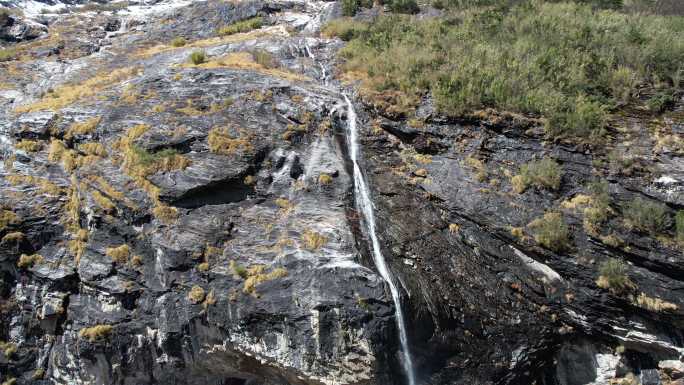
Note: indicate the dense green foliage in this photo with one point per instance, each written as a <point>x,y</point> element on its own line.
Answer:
<point>570,63</point>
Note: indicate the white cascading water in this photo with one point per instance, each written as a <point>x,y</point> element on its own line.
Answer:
<point>364,204</point>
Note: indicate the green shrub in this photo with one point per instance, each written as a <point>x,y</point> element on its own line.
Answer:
<point>613,276</point>
<point>179,41</point>
<point>568,63</point>
<point>551,231</point>
<point>544,173</point>
<point>241,26</point>
<point>646,215</point>
<point>198,57</point>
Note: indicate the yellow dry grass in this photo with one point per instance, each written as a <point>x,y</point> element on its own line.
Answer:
<point>43,185</point>
<point>221,142</point>
<point>103,201</point>
<point>245,60</point>
<point>654,304</point>
<point>93,148</point>
<point>68,94</point>
<point>312,240</point>
<point>26,261</point>
<point>119,254</point>
<point>82,128</point>
<point>13,237</point>
<point>96,332</point>
<point>196,294</point>
<point>28,145</point>
<point>7,218</point>
<point>257,274</point>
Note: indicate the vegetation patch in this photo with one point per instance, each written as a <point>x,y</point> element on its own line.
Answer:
<point>119,254</point>
<point>246,61</point>
<point>599,208</point>
<point>324,178</point>
<point>654,304</point>
<point>8,348</point>
<point>647,216</point>
<point>7,54</point>
<point>82,128</point>
<point>567,62</point>
<point>43,184</point>
<point>679,226</point>
<point>196,294</point>
<point>7,218</point>
<point>198,57</point>
<point>257,274</point>
<point>96,333</point>
<point>613,276</point>
<point>312,240</point>
<point>551,231</point>
<point>28,145</point>
<point>69,94</point>
<point>222,142</point>
<point>27,261</point>
<point>13,237</point>
<point>179,42</point>
<point>241,26</point>
<point>544,173</point>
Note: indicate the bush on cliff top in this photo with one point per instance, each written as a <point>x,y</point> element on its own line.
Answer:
<point>568,63</point>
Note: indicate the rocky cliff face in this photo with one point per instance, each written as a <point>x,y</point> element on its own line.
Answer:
<point>171,222</point>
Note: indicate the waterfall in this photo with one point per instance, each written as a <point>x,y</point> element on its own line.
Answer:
<point>365,205</point>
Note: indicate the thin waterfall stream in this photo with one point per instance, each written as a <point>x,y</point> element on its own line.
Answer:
<point>365,205</point>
